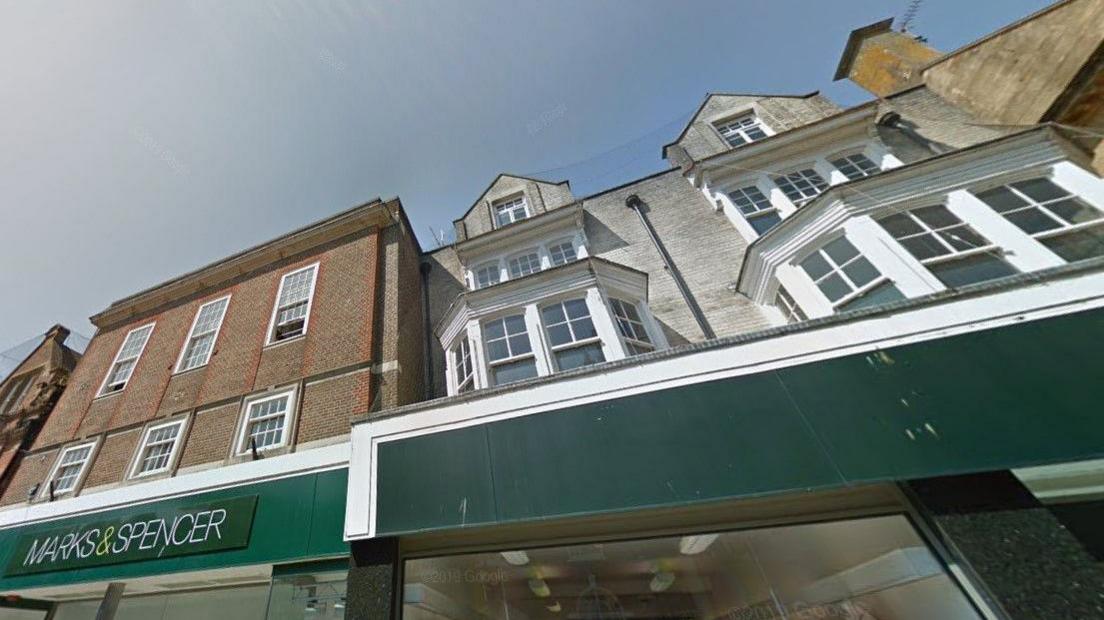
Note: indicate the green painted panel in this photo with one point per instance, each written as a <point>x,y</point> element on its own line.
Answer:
<point>155,532</point>
<point>282,531</point>
<point>1019,395</point>
<point>434,479</point>
<point>1016,396</point>
<point>327,531</point>
<point>608,456</point>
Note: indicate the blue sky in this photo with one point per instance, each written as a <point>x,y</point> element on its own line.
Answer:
<point>142,140</point>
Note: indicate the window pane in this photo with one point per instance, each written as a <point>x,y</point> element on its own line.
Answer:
<point>873,568</point>
<point>497,349</point>
<point>924,246</point>
<point>577,357</point>
<point>1040,190</point>
<point>970,270</point>
<point>834,287</point>
<point>513,371</point>
<point>763,223</point>
<point>861,272</point>
<point>515,324</point>
<point>936,216</point>
<point>900,225</point>
<point>519,345</point>
<point>1033,220</point>
<point>494,329</point>
<point>963,238</point>
<point>1002,199</point>
<point>1078,245</point>
<point>559,334</point>
<point>840,250</point>
<point>881,294</point>
<point>576,308</point>
<point>553,314</point>
<point>1074,211</point>
<point>815,266</point>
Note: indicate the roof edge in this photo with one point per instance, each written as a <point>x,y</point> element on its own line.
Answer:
<point>854,42</point>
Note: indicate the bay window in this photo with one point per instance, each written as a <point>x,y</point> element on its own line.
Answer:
<point>951,249</point>
<point>571,335</point>
<point>855,166</point>
<point>509,352</point>
<point>847,278</point>
<point>631,327</point>
<point>1052,216</point>
<point>462,366</point>
<point>562,253</point>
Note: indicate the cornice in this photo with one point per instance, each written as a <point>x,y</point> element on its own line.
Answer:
<point>375,214</point>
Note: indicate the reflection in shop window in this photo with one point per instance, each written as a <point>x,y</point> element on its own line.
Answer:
<point>863,569</point>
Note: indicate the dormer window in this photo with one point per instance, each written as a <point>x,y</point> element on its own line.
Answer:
<point>741,130</point>
<point>524,264</point>
<point>510,210</point>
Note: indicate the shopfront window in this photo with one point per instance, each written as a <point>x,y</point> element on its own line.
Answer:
<point>318,595</point>
<point>240,603</point>
<point>862,569</point>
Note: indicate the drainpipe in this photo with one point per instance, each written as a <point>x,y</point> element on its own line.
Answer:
<point>636,204</point>
<point>893,120</point>
<point>427,364</point>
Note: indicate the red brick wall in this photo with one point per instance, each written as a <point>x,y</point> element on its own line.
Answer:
<point>329,405</point>
<point>32,470</point>
<point>114,457</point>
<point>212,433</point>
<point>340,335</point>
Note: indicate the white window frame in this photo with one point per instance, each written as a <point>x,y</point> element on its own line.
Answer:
<point>44,492</point>
<point>18,387</point>
<point>575,342</point>
<point>800,170</point>
<point>846,156</point>
<point>494,267</point>
<point>559,243</point>
<point>193,336</point>
<point>269,339</point>
<point>788,306</point>
<point>954,253</point>
<point>143,445</point>
<point>1064,227</point>
<point>741,189</point>
<point>740,120</point>
<point>499,204</point>
<point>455,353</point>
<point>115,362</point>
<point>524,253</point>
<point>650,344</point>
<point>535,346</point>
<point>837,269</point>
<point>241,446</point>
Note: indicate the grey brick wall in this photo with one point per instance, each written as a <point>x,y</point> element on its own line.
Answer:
<point>947,127</point>
<point>780,113</point>
<point>540,196</point>
<point>445,282</point>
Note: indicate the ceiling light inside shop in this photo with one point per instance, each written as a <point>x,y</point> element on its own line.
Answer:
<point>661,581</point>
<point>516,558</point>
<point>554,607</point>
<point>540,588</point>
<point>693,545</point>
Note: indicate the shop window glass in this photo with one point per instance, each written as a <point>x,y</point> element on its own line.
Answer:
<point>856,569</point>
<point>318,596</point>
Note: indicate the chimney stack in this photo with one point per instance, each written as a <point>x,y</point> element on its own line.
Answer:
<point>882,60</point>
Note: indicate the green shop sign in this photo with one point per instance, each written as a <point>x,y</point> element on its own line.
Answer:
<point>153,534</point>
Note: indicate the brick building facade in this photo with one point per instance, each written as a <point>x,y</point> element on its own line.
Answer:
<point>186,359</point>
